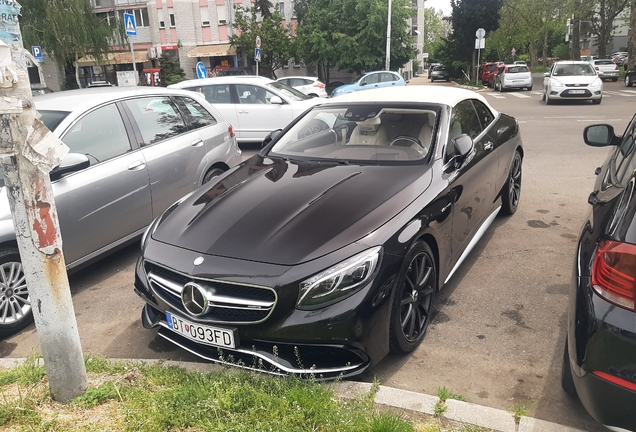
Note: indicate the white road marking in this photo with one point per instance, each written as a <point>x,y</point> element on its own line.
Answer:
<point>537,93</point>
<point>496,95</point>
<point>618,94</point>
<point>519,95</point>
<point>567,117</point>
<point>599,120</point>
<point>629,91</point>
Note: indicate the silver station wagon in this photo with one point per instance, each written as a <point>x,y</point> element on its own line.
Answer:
<point>133,152</point>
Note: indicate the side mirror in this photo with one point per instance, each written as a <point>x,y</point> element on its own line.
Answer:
<point>72,162</point>
<point>270,136</point>
<point>546,74</point>
<point>464,144</point>
<point>276,100</point>
<point>601,135</point>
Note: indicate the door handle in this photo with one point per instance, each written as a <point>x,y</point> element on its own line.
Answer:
<point>243,112</point>
<point>137,165</point>
<point>488,145</point>
<point>197,142</point>
<point>593,198</point>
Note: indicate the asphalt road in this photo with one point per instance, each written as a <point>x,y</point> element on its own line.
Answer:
<point>499,330</point>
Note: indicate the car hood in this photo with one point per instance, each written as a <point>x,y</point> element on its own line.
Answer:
<point>576,79</point>
<point>287,212</point>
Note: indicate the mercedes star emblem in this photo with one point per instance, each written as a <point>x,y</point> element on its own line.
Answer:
<point>194,299</point>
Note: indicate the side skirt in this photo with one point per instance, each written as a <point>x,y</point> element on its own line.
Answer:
<point>478,235</point>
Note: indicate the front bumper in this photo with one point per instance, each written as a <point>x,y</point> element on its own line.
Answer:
<point>340,340</point>
<point>602,340</point>
<point>568,93</point>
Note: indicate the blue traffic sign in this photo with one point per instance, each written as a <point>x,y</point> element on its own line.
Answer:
<point>258,54</point>
<point>202,72</point>
<point>130,24</point>
<point>37,53</point>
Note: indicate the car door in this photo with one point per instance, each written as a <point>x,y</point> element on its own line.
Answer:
<point>388,79</point>
<point>473,182</point>
<point>257,116</point>
<point>110,200</point>
<point>370,81</point>
<point>173,153</point>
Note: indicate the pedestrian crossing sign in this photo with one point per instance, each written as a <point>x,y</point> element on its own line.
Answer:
<point>130,24</point>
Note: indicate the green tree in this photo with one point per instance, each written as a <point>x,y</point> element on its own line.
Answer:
<point>172,72</point>
<point>351,34</point>
<point>275,37</point>
<point>436,28</point>
<point>601,17</point>
<point>66,29</point>
<point>467,16</point>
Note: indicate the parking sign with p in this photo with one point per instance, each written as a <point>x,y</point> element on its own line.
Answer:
<point>37,53</point>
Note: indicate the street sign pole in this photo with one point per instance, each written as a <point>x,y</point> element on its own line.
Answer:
<point>258,53</point>
<point>481,33</point>
<point>131,30</point>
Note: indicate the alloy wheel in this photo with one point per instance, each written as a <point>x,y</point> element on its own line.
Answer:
<point>15,303</point>
<point>417,297</point>
<point>514,189</point>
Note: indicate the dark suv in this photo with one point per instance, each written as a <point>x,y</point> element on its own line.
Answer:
<point>599,361</point>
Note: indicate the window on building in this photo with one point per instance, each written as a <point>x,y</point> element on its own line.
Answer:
<point>173,23</point>
<point>293,8</point>
<point>141,16</point>
<point>281,9</point>
<point>205,17</point>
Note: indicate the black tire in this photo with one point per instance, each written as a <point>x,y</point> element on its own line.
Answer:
<point>547,99</point>
<point>530,88</point>
<point>15,302</point>
<point>614,79</point>
<point>212,172</point>
<point>567,382</point>
<point>597,101</point>
<point>511,192</point>
<point>628,81</point>
<point>413,299</point>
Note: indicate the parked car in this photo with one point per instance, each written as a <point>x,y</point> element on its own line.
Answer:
<point>440,73</point>
<point>606,69</point>
<point>430,68</point>
<point>520,62</point>
<point>310,86</point>
<point>133,152</point>
<point>255,106</point>
<point>630,78</point>
<point>600,349</point>
<point>326,250</point>
<point>371,80</point>
<point>512,77</point>
<point>572,80</point>
<point>488,69</point>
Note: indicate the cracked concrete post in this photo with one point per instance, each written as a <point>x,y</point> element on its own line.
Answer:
<point>28,152</point>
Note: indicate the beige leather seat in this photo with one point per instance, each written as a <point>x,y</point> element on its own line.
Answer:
<point>426,132</point>
<point>368,132</point>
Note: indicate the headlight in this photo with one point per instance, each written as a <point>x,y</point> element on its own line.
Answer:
<point>339,281</point>
<point>556,83</point>
<point>597,82</point>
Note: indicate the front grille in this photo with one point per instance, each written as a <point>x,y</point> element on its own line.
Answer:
<point>576,85</point>
<point>230,303</point>
<point>565,94</point>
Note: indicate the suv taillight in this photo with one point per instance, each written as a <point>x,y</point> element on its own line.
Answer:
<point>614,273</point>
<point>231,131</point>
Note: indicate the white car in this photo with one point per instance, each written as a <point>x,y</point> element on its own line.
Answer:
<point>311,86</point>
<point>570,80</point>
<point>255,106</point>
<point>606,69</point>
<point>513,76</point>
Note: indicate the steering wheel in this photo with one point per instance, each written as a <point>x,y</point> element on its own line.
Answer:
<point>405,141</point>
<point>314,126</point>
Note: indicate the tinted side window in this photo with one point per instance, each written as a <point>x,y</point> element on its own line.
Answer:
<point>371,79</point>
<point>253,94</point>
<point>485,115</point>
<point>100,135</point>
<point>196,115</point>
<point>157,118</point>
<point>387,77</point>
<point>622,165</point>
<point>463,121</point>
<point>218,93</point>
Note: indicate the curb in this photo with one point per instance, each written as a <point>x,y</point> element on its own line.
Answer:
<point>464,412</point>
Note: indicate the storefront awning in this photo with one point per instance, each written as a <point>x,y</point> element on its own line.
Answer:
<point>212,51</point>
<point>114,58</point>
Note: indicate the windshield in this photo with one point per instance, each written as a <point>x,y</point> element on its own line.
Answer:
<point>358,78</point>
<point>518,69</point>
<point>288,91</point>
<point>574,70</point>
<point>361,133</point>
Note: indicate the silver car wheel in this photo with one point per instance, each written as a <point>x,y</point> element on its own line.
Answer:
<point>15,303</point>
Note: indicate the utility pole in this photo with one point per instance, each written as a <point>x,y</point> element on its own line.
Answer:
<point>387,63</point>
<point>28,152</point>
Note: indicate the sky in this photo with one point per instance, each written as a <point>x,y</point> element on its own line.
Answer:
<point>439,4</point>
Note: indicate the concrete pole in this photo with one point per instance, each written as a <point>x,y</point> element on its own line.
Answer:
<point>28,152</point>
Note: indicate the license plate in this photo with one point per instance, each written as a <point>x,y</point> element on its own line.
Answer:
<point>577,91</point>
<point>208,335</point>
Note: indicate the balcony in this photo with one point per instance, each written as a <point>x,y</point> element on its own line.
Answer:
<point>117,3</point>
